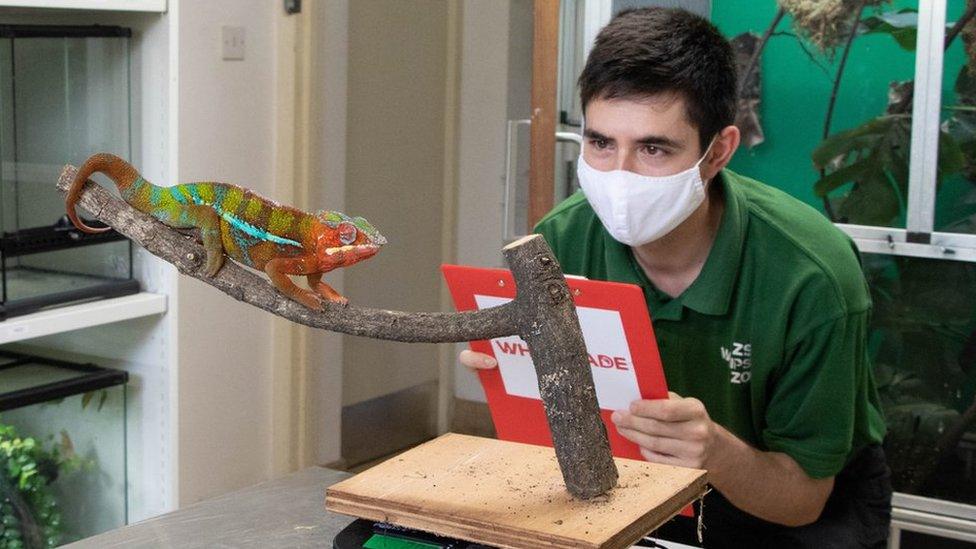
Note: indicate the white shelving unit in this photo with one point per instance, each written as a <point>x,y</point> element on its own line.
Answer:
<point>84,315</point>
<point>135,333</point>
<point>113,5</point>
<point>209,390</point>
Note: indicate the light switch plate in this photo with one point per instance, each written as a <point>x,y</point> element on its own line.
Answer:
<point>233,43</point>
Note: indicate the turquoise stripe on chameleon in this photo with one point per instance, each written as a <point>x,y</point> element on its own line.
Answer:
<point>251,230</point>
<point>219,192</point>
<point>194,194</point>
<point>177,193</point>
<point>239,224</point>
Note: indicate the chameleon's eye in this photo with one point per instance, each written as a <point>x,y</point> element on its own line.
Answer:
<point>347,233</point>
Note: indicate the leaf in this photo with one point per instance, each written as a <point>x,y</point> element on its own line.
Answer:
<point>898,169</point>
<point>67,446</point>
<point>901,25</point>
<point>873,157</point>
<point>86,399</point>
<point>871,201</point>
<point>847,174</point>
<point>861,137</point>
<point>951,158</point>
<point>102,399</point>
<point>965,84</point>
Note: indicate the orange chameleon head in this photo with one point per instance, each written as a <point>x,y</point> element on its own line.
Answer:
<point>345,240</point>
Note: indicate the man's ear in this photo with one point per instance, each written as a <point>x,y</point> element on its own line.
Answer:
<point>719,156</point>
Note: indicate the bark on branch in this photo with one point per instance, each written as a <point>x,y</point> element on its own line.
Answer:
<point>543,314</point>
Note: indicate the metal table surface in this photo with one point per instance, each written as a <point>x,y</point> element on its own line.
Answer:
<point>286,512</point>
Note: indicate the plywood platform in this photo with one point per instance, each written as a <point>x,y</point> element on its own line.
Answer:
<point>512,495</point>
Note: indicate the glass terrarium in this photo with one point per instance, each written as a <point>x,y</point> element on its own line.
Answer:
<point>62,450</point>
<point>64,95</point>
<point>923,344</point>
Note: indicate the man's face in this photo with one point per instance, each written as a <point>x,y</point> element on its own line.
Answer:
<point>648,136</point>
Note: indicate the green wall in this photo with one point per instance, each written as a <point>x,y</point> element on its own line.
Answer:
<point>795,93</point>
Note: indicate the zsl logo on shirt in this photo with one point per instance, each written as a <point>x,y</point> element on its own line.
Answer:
<point>739,359</point>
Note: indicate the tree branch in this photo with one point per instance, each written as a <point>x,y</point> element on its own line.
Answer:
<point>754,60</point>
<point>960,24</point>
<point>543,314</point>
<point>833,94</point>
<point>245,285</point>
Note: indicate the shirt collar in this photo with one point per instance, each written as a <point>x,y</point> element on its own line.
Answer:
<point>711,292</point>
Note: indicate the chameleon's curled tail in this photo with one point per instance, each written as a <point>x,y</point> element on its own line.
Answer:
<point>119,171</point>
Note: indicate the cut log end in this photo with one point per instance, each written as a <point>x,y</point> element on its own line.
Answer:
<point>522,241</point>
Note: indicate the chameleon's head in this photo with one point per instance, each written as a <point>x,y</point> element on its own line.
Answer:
<point>345,240</point>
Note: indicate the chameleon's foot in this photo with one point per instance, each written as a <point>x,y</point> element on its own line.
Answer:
<point>327,292</point>
<point>278,270</point>
<point>309,299</point>
<point>214,263</point>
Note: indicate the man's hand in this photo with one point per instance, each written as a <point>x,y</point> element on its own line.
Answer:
<point>770,485</point>
<point>477,361</point>
<point>679,431</point>
<point>676,431</point>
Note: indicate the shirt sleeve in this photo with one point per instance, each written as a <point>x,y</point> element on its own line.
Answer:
<point>812,408</point>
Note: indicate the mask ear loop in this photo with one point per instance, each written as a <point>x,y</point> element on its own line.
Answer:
<point>705,184</point>
<point>707,150</point>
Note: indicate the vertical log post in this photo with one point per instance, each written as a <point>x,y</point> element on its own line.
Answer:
<point>547,321</point>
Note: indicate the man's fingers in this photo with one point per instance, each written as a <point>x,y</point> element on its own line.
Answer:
<point>477,361</point>
<point>660,445</point>
<point>647,425</point>
<point>673,409</point>
<point>664,459</point>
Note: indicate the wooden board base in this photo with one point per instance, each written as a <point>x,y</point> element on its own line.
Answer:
<point>508,494</point>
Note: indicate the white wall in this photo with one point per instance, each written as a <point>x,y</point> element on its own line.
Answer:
<point>225,134</point>
<point>328,190</point>
<point>483,106</point>
<point>394,178</point>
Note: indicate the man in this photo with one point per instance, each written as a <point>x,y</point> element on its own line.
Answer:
<point>759,305</point>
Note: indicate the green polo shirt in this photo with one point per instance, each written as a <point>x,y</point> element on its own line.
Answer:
<point>771,336</point>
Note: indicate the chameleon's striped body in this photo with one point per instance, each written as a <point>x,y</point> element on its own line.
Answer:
<point>251,229</point>
<point>246,219</point>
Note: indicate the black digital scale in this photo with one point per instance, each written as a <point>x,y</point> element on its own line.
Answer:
<point>366,534</point>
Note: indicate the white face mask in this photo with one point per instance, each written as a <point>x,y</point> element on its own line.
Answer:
<point>637,209</point>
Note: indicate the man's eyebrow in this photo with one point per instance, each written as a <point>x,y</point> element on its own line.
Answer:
<point>660,141</point>
<point>593,134</point>
<point>656,140</point>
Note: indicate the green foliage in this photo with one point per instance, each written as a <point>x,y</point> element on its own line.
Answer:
<point>923,339</point>
<point>902,25</point>
<point>29,515</point>
<point>874,158</point>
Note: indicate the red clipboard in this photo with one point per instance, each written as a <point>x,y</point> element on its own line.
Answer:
<point>620,342</point>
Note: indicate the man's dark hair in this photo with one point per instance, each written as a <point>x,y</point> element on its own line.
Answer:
<point>648,51</point>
